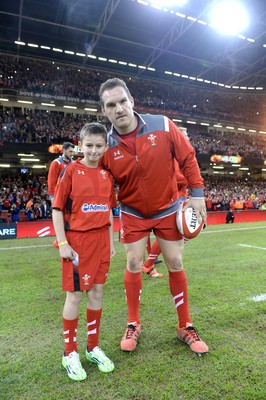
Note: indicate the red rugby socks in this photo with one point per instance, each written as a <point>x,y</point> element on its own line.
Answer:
<point>133,287</point>
<point>70,335</point>
<point>93,324</point>
<point>179,290</point>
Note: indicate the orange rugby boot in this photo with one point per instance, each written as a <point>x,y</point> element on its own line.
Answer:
<point>190,336</point>
<point>130,339</point>
<point>151,271</point>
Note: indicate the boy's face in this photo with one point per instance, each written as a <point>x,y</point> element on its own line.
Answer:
<point>93,146</point>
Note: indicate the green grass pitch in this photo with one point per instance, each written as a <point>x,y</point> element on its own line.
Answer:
<point>226,270</point>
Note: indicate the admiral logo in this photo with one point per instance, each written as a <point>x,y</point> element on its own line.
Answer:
<point>118,155</point>
<point>94,207</point>
<point>80,172</point>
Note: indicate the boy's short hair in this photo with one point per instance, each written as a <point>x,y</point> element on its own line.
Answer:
<point>93,128</point>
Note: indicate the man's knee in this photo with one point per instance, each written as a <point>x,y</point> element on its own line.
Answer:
<point>134,265</point>
<point>174,264</point>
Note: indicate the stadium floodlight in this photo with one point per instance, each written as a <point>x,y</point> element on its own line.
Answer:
<point>71,107</point>
<point>4,165</point>
<point>168,3</point>
<point>30,159</point>
<point>4,99</point>
<point>24,101</point>
<point>229,17</point>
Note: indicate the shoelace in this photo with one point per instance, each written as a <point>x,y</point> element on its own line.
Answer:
<point>131,330</point>
<point>192,332</point>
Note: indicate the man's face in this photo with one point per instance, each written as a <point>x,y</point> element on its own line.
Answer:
<point>69,153</point>
<point>118,108</point>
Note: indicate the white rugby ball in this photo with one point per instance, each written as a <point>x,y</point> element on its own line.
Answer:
<point>188,224</point>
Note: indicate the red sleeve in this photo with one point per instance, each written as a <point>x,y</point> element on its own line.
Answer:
<point>53,174</point>
<point>184,154</point>
<point>63,190</point>
<point>113,202</point>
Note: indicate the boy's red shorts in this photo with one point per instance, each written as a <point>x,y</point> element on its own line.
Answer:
<point>93,248</point>
<point>133,228</point>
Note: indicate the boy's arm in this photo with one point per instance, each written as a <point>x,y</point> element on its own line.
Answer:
<point>65,249</point>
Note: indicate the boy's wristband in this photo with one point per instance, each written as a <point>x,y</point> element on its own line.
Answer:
<point>62,243</point>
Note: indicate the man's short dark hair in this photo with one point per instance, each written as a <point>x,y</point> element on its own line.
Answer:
<point>111,84</point>
<point>67,145</point>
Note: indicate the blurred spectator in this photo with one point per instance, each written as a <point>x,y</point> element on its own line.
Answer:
<point>230,217</point>
<point>14,213</point>
<point>263,206</point>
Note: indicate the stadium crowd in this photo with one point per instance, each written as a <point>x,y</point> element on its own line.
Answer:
<point>28,194</point>
<point>53,127</point>
<point>62,80</point>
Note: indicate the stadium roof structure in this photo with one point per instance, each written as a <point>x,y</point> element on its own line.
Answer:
<point>137,38</point>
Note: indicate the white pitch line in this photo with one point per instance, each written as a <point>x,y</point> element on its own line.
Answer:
<point>231,230</point>
<point>260,297</point>
<point>25,247</point>
<point>116,240</point>
<point>252,247</point>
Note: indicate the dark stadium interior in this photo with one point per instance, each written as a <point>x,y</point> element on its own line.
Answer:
<point>140,42</point>
<point>128,31</point>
